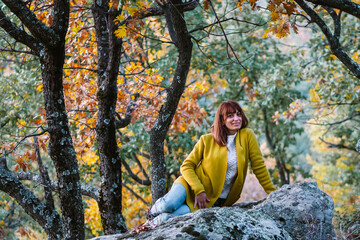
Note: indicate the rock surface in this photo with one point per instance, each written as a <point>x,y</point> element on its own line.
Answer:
<point>296,211</point>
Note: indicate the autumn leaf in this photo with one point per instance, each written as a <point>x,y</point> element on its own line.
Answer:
<point>289,7</point>
<point>121,32</point>
<point>206,4</point>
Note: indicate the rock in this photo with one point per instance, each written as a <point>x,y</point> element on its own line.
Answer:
<point>303,210</point>
<point>296,211</point>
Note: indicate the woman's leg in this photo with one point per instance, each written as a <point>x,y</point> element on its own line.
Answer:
<point>172,202</point>
<point>183,209</point>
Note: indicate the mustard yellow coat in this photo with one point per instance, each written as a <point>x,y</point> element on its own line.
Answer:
<point>209,176</point>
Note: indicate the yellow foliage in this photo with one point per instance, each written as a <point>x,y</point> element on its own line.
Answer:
<point>134,209</point>
<point>92,217</point>
<point>121,32</point>
<point>332,57</point>
<point>40,87</point>
<point>355,57</point>
<point>313,95</point>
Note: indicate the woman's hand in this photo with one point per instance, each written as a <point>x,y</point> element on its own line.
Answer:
<point>201,200</point>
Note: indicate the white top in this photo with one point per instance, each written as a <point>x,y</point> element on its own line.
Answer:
<point>232,166</point>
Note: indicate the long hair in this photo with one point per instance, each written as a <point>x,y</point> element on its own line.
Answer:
<point>218,129</point>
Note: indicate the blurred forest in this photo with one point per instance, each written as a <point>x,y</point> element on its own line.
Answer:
<point>139,83</point>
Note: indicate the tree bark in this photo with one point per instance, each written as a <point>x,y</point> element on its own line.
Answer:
<point>182,41</point>
<point>47,217</point>
<point>49,44</point>
<point>343,5</point>
<point>109,52</point>
<point>333,39</point>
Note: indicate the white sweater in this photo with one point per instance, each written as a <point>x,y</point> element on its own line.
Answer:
<point>232,166</point>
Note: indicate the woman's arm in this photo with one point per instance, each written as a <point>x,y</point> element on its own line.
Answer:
<point>258,165</point>
<point>188,167</point>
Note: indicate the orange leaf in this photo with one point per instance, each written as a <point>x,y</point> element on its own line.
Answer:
<point>206,4</point>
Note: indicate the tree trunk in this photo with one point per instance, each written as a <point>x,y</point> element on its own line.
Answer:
<point>181,38</point>
<point>61,148</point>
<point>279,158</point>
<point>109,52</point>
<point>48,43</point>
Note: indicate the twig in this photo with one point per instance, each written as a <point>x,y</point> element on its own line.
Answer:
<point>27,136</point>
<point>226,39</point>
<point>136,195</point>
<point>44,176</point>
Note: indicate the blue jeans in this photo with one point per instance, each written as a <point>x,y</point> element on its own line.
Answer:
<point>173,202</point>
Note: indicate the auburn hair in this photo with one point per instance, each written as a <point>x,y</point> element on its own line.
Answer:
<point>218,129</point>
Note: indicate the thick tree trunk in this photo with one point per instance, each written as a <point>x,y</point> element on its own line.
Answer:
<point>48,43</point>
<point>109,52</point>
<point>61,148</point>
<point>181,38</point>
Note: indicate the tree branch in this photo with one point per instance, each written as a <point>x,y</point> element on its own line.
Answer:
<point>27,136</point>
<point>136,195</point>
<point>49,219</point>
<point>337,122</point>
<point>61,17</point>
<point>340,146</point>
<point>333,41</point>
<point>226,39</point>
<point>136,159</point>
<point>123,122</point>
<point>159,11</point>
<point>344,5</point>
<point>168,109</point>
<point>44,177</point>
<point>19,34</point>
<point>225,20</point>
<point>38,29</point>
<point>86,190</point>
<point>134,176</point>
<point>337,21</point>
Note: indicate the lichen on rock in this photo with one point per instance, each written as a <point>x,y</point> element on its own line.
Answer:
<point>296,211</point>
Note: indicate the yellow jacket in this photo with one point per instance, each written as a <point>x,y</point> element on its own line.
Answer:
<point>209,175</point>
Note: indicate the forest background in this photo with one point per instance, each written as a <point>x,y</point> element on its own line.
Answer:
<point>101,101</point>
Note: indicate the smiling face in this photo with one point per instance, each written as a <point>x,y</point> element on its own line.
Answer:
<point>233,122</point>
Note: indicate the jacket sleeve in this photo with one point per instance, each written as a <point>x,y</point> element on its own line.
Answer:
<point>258,165</point>
<point>188,167</point>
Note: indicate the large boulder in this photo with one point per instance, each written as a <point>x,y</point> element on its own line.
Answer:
<point>296,211</point>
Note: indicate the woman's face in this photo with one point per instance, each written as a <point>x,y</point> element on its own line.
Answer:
<point>233,122</point>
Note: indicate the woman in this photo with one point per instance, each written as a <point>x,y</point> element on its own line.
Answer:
<point>214,172</point>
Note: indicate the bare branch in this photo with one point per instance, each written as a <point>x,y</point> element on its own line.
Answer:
<point>344,5</point>
<point>337,21</point>
<point>16,51</point>
<point>123,122</point>
<point>340,146</point>
<point>31,204</point>
<point>19,34</point>
<point>39,30</point>
<point>136,159</point>
<point>337,122</point>
<point>333,41</point>
<point>136,195</point>
<point>28,136</point>
<point>44,176</point>
<point>226,39</point>
<point>86,190</point>
<point>225,20</point>
<point>134,176</point>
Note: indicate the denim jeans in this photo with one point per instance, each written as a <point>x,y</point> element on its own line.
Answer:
<point>173,202</point>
